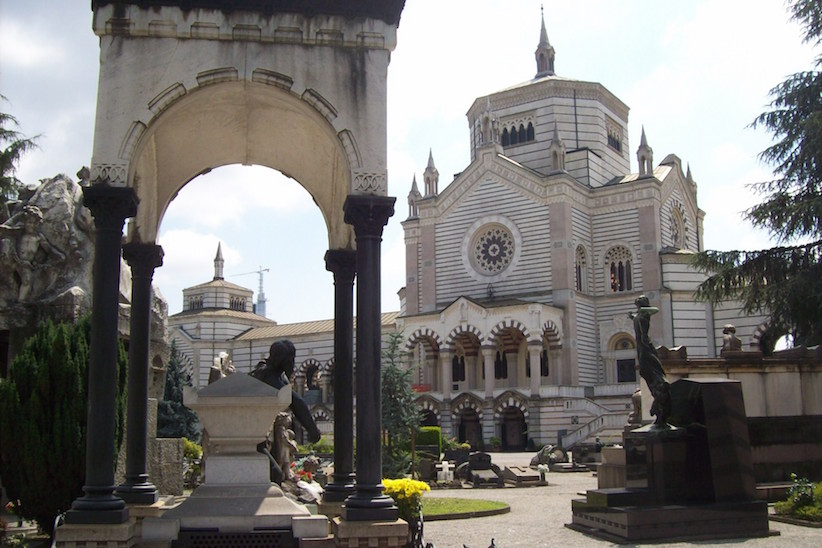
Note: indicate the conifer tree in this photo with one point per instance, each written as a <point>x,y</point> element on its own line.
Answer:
<point>399,412</point>
<point>784,281</point>
<point>14,146</point>
<point>174,420</point>
<point>43,420</point>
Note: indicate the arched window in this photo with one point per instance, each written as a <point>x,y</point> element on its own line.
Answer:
<point>514,135</point>
<point>523,136</point>
<point>506,140</point>
<point>581,268</point>
<point>618,269</point>
<point>458,368</point>
<point>543,364</point>
<point>530,132</point>
<point>622,348</point>
<point>678,227</point>
<point>501,365</point>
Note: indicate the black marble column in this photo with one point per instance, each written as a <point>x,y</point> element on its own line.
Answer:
<point>343,264</point>
<point>368,214</point>
<point>143,259</point>
<point>110,206</point>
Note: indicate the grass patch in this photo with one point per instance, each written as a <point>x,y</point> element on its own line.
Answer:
<point>450,505</point>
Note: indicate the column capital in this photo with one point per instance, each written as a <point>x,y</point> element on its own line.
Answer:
<point>367,213</point>
<point>342,263</point>
<point>143,258</point>
<point>110,206</point>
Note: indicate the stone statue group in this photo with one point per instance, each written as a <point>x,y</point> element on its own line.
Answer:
<point>280,445</point>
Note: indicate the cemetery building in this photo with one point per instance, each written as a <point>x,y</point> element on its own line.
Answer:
<point>522,270</point>
<point>520,275</point>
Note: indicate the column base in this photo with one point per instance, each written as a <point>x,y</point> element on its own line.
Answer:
<point>378,509</point>
<point>338,491</point>
<point>102,509</point>
<point>140,493</point>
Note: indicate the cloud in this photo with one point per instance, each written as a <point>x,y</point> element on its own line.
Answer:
<point>229,195</point>
<point>23,47</point>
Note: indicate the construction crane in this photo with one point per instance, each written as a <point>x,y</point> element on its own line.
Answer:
<point>260,306</point>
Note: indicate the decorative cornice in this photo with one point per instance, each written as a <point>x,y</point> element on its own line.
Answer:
<point>274,21</point>
<point>385,10</point>
<point>369,182</point>
<point>547,89</point>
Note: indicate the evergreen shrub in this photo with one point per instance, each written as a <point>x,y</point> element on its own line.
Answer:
<point>43,420</point>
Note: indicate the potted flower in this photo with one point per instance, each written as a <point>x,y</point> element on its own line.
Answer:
<point>407,494</point>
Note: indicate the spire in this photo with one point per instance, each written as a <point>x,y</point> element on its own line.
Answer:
<point>645,157</point>
<point>557,151</point>
<point>545,52</point>
<point>218,263</point>
<point>413,197</point>
<point>431,176</point>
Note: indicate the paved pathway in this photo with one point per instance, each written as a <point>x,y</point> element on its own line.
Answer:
<point>539,514</point>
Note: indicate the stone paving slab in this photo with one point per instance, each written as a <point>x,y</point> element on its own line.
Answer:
<point>538,516</point>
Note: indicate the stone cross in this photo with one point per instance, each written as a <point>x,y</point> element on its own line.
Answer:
<point>445,471</point>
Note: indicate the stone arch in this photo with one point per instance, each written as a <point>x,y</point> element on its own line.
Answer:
<point>460,331</point>
<point>311,371</point>
<point>427,337</point>
<point>552,334</point>
<point>233,121</point>
<point>322,414</point>
<point>510,399</point>
<point>621,341</point>
<point>466,401</point>
<point>327,369</point>
<point>425,403</point>
<point>498,330</point>
<point>756,338</point>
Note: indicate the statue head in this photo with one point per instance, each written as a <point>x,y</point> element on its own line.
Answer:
<point>729,328</point>
<point>31,216</point>
<point>642,301</point>
<point>281,357</point>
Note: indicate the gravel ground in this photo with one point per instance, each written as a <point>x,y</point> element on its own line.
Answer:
<point>538,516</point>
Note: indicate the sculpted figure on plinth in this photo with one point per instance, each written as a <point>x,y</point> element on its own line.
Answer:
<point>275,371</point>
<point>650,366</point>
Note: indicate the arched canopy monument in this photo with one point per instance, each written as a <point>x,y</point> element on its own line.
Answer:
<point>186,86</point>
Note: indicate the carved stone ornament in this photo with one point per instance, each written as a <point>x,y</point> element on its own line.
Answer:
<point>370,183</point>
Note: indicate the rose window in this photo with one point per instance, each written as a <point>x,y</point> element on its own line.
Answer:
<point>493,249</point>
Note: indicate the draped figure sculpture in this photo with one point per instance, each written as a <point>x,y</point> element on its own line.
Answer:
<point>650,366</point>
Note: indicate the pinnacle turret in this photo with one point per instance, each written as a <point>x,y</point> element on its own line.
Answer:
<point>545,53</point>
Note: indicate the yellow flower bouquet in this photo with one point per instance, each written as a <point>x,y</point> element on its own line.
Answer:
<point>407,495</point>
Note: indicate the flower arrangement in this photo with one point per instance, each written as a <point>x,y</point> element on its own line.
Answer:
<point>13,507</point>
<point>407,495</point>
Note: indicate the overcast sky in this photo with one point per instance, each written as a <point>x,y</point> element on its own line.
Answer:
<point>694,73</point>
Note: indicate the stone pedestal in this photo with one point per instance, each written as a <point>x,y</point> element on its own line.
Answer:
<point>237,505</point>
<point>690,481</point>
<point>611,471</point>
<point>121,535</point>
<point>374,534</point>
